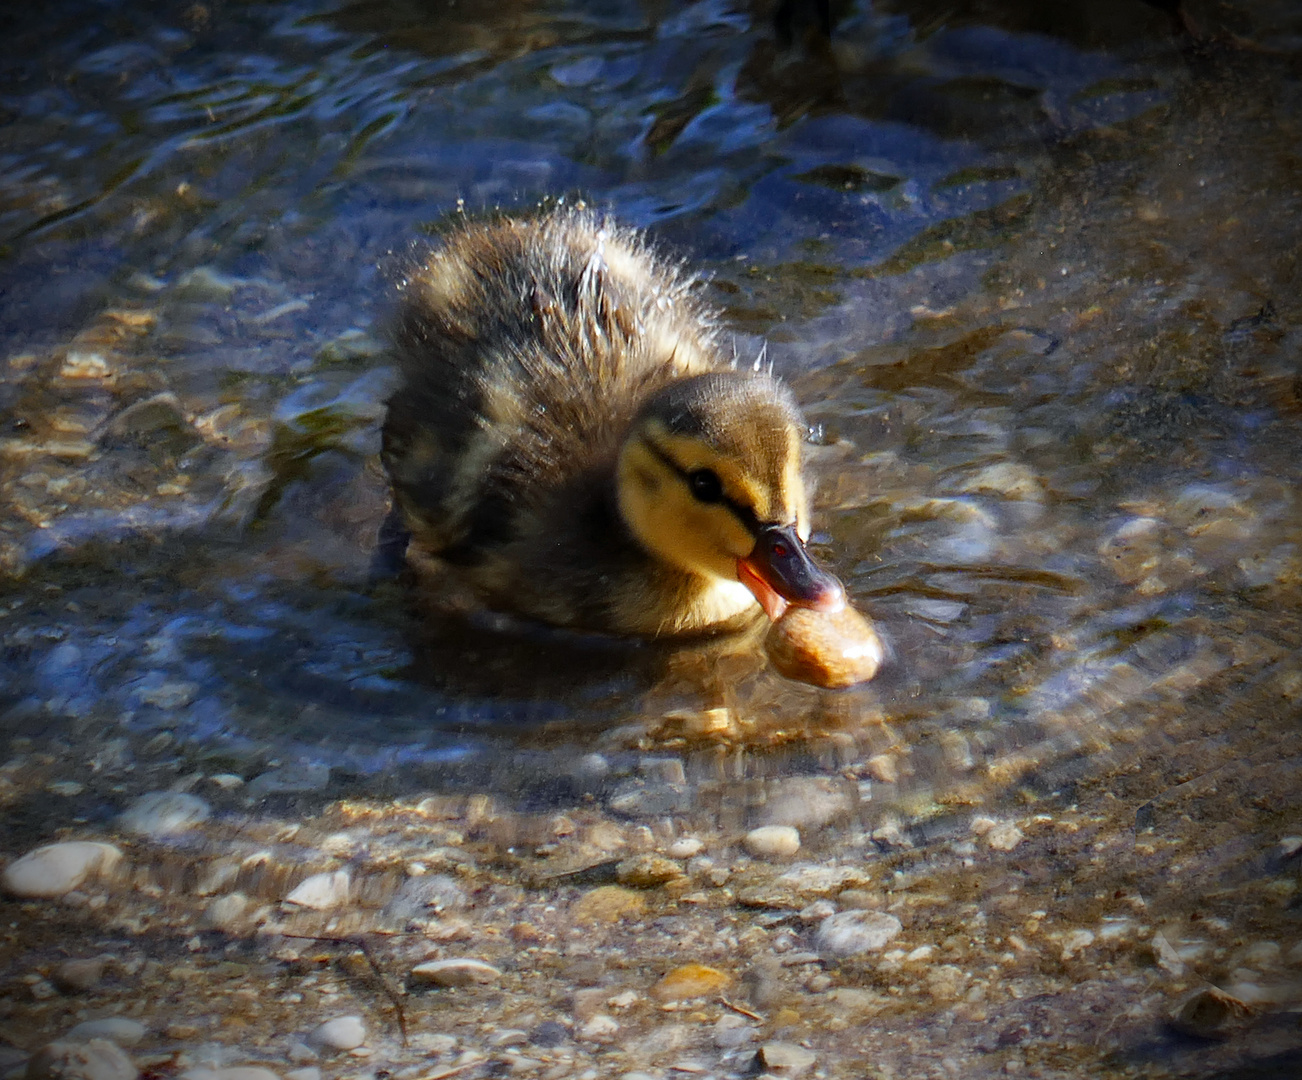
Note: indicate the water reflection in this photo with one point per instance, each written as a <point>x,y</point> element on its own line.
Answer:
<point>1031,272</point>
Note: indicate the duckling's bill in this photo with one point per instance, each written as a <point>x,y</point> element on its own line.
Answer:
<point>780,572</point>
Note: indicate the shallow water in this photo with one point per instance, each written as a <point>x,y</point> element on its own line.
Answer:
<point>1035,279</point>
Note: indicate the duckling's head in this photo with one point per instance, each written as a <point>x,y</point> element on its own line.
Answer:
<point>709,480</point>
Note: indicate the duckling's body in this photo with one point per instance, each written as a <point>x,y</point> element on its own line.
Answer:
<point>564,422</point>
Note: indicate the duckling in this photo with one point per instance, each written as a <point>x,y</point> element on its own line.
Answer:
<point>569,440</point>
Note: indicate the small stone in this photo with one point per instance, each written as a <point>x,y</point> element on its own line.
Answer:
<point>549,1034</point>
<point>204,284</point>
<point>884,767</point>
<point>1208,1014</point>
<point>647,871</point>
<point>460,971</point>
<point>56,869</point>
<point>229,1072</point>
<point>599,1028</point>
<point>341,1033</point>
<point>786,1059</point>
<point>300,1053</point>
<point>225,912</point>
<point>772,842</point>
<point>685,848</point>
<point>157,413</point>
<point>853,933</point>
<point>807,802</point>
<point>689,981</point>
<point>173,694</point>
<point>120,1029</point>
<point>322,892</point>
<point>731,1031</point>
<point>833,649</point>
<point>78,976</point>
<point>425,896</point>
<point>297,776</point>
<point>97,1059</point>
<point>1075,941</point>
<point>508,1037</point>
<point>607,904</point>
<point>1004,837</point>
<point>1012,480</point>
<point>164,813</point>
<point>309,1072</point>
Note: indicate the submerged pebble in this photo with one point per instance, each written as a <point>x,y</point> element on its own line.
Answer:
<point>322,892</point>
<point>689,981</point>
<point>96,1059</point>
<point>164,813</point>
<point>460,971</point>
<point>772,842</point>
<point>341,1033</point>
<point>852,933</point>
<point>121,1029</point>
<point>56,869</point>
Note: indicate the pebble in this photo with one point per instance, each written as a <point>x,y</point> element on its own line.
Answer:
<point>164,813</point>
<point>549,1034</point>
<point>732,1031</point>
<point>685,848</point>
<point>772,842</point>
<point>156,413</point>
<point>807,802</point>
<point>1073,942</point>
<point>121,1029</point>
<point>599,1028</point>
<point>420,897</point>
<point>647,871</point>
<point>56,869</point>
<point>225,912</point>
<point>460,971</point>
<point>1004,837</point>
<point>852,933</point>
<point>341,1033</point>
<point>228,1072</point>
<point>322,892</point>
<point>310,1072</point>
<point>97,1059</point>
<point>607,904</point>
<point>787,1059</point>
<point>689,981</point>
<point>78,976</point>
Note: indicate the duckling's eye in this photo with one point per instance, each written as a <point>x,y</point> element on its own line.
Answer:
<point>705,485</point>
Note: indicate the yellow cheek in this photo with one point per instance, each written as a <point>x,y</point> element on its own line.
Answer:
<point>705,539</point>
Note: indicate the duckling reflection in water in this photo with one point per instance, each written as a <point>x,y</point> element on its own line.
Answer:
<point>568,439</point>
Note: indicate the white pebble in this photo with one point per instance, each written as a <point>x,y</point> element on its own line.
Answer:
<point>772,841</point>
<point>685,848</point>
<point>225,912</point>
<point>323,891</point>
<point>229,1072</point>
<point>786,1058</point>
<point>460,971</point>
<point>341,1033</point>
<point>1004,837</point>
<point>56,869</point>
<point>1073,942</point>
<point>98,1059</point>
<point>164,813</point>
<point>599,1028</point>
<point>851,933</point>
<point>123,1031</point>
<point>311,1072</point>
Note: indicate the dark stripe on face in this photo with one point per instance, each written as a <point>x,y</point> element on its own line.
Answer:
<point>744,514</point>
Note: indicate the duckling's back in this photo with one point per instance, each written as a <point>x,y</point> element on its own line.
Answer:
<point>526,347</point>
